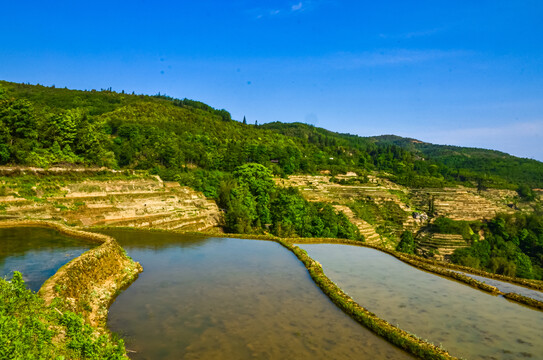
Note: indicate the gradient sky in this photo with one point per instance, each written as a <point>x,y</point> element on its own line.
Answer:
<point>466,73</point>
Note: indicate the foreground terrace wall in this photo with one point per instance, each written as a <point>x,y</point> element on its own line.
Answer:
<point>90,282</point>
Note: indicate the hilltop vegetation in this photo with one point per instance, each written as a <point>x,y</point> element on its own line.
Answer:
<point>202,147</point>
<point>486,167</point>
<point>513,246</point>
<point>45,125</point>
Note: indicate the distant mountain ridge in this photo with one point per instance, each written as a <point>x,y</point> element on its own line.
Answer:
<point>43,126</point>
<point>482,162</point>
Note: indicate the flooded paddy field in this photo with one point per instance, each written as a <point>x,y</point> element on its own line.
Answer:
<point>37,253</point>
<point>467,322</point>
<point>507,287</point>
<point>202,298</point>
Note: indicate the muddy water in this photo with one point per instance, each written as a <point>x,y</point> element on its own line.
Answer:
<point>37,253</point>
<point>467,322</point>
<point>231,299</point>
<point>508,287</point>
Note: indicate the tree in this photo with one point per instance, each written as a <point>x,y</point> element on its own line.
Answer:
<point>431,206</point>
<point>258,179</point>
<point>525,192</point>
<point>62,127</point>
<point>244,120</point>
<point>524,266</point>
<point>4,141</point>
<point>18,123</point>
<point>241,215</point>
<point>20,118</point>
<point>407,243</point>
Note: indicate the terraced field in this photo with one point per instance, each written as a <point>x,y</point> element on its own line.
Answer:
<point>457,203</point>
<point>143,203</point>
<point>442,245</point>
<point>463,203</point>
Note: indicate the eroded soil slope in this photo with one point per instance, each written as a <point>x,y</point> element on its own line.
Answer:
<point>111,199</point>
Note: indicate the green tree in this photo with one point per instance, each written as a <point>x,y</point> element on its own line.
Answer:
<point>407,243</point>
<point>20,118</point>
<point>431,206</point>
<point>62,127</point>
<point>258,180</point>
<point>525,192</point>
<point>524,266</point>
<point>241,216</point>
<point>4,143</point>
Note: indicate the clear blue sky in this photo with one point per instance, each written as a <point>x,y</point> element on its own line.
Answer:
<point>454,72</point>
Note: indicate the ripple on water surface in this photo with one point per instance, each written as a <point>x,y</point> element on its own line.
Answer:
<point>231,299</point>
<point>37,253</point>
<point>467,322</point>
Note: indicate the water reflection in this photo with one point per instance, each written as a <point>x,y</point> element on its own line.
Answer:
<point>37,253</point>
<point>231,299</point>
<point>467,322</point>
<point>507,287</point>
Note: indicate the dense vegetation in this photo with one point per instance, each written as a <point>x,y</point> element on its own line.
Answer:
<point>45,125</point>
<point>468,229</point>
<point>387,218</point>
<point>31,330</point>
<point>513,246</point>
<point>485,168</point>
<point>202,147</point>
<point>407,243</point>
<point>253,204</point>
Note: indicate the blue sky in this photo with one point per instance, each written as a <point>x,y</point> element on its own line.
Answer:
<point>466,73</point>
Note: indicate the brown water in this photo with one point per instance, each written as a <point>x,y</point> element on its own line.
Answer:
<point>467,322</point>
<point>507,287</point>
<point>213,298</point>
<point>37,253</point>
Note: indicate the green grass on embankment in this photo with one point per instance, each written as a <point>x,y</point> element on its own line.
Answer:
<point>30,329</point>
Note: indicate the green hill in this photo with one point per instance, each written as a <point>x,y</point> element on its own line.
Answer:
<point>233,163</point>
<point>473,162</point>
<point>44,125</point>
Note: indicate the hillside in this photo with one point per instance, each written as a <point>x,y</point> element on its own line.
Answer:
<point>95,197</point>
<point>372,188</point>
<point>470,161</point>
<point>427,164</point>
<point>45,125</point>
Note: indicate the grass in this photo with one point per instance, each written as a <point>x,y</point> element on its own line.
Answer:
<point>402,196</point>
<point>388,217</point>
<point>93,279</point>
<point>45,184</point>
<point>30,329</point>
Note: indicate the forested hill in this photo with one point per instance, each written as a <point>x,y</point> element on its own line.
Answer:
<point>483,161</point>
<point>43,126</point>
<point>448,163</point>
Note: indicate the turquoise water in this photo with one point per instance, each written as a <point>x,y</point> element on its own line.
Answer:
<point>216,298</point>
<point>37,253</point>
<point>467,322</point>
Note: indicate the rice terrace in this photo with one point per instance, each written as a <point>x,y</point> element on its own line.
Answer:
<point>307,179</point>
